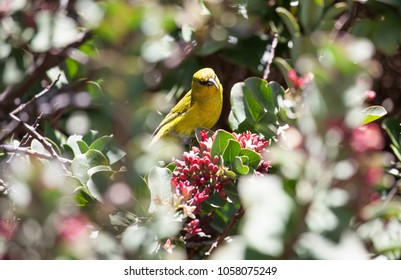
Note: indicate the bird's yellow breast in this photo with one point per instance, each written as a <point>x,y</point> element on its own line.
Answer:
<point>205,112</point>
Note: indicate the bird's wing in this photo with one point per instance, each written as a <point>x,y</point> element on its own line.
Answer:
<point>179,109</point>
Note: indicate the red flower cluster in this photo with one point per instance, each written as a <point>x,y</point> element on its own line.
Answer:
<point>198,176</point>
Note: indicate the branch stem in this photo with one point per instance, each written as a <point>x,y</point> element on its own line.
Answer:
<point>271,57</point>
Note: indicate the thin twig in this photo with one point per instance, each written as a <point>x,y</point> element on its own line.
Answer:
<point>25,139</point>
<point>271,56</point>
<point>40,138</point>
<point>14,149</point>
<point>227,230</point>
<point>37,96</point>
<point>6,133</point>
<point>31,130</point>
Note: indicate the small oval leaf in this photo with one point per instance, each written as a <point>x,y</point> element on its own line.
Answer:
<point>372,113</point>
<point>289,21</point>
<point>232,150</point>
<point>240,167</point>
<point>220,142</point>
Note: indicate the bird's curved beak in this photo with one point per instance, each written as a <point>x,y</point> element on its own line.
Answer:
<point>214,82</point>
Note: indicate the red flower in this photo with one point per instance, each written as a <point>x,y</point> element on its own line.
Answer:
<point>192,228</point>
<point>168,246</point>
<point>298,81</point>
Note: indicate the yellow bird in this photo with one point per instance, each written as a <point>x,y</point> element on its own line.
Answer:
<point>200,107</point>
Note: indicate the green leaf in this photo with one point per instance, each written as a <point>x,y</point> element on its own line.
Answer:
<point>72,68</point>
<point>329,16</point>
<point>104,144</point>
<point>259,97</point>
<point>245,160</point>
<point>99,180</point>
<point>267,125</point>
<point>171,166</point>
<point>253,157</point>
<point>83,196</point>
<point>81,193</point>
<point>82,163</point>
<point>101,143</point>
<point>284,67</point>
<point>239,115</point>
<point>311,12</point>
<point>396,151</point>
<point>230,174</point>
<point>393,129</point>
<point>141,193</point>
<point>159,182</point>
<point>220,142</point>
<point>262,92</point>
<point>232,150</point>
<point>114,154</point>
<point>278,92</point>
<point>216,201</point>
<point>55,146</point>
<point>72,144</point>
<point>239,166</point>
<point>38,147</point>
<point>83,147</point>
<point>90,136</point>
<point>255,109</point>
<point>97,94</point>
<point>254,102</point>
<point>100,168</point>
<point>233,122</point>
<point>232,193</point>
<point>222,217</point>
<point>335,11</point>
<point>57,138</point>
<point>372,113</point>
<point>289,21</point>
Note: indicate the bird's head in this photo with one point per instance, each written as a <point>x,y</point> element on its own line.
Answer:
<point>205,78</point>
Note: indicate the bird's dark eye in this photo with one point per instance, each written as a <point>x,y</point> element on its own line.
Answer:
<point>206,83</point>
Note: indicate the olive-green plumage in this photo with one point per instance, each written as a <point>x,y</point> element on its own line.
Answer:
<point>200,107</point>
